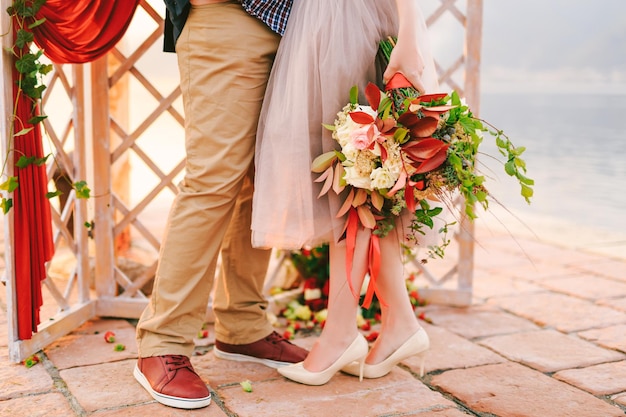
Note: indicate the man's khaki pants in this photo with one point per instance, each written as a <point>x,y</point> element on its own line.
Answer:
<point>224,58</point>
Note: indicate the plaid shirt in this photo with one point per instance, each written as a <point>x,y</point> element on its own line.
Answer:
<point>273,13</point>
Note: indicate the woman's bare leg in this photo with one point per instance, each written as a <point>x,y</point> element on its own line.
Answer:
<point>340,328</point>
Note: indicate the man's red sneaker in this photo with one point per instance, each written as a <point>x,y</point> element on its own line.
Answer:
<point>171,380</point>
<point>273,351</point>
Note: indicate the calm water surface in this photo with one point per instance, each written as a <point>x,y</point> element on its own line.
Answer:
<point>576,153</point>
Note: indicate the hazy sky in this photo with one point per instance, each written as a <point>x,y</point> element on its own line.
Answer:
<point>554,44</point>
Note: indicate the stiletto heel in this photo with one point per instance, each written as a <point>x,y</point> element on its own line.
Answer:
<point>357,351</point>
<point>361,367</point>
<point>417,344</point>
<point>422,357</point>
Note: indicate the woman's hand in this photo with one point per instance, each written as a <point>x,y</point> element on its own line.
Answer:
<point>406,57</point>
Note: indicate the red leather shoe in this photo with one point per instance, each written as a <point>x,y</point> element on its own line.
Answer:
<point>171,380</point>
<point>274,351</point>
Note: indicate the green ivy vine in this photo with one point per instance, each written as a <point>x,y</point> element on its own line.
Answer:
<point>31,86</point>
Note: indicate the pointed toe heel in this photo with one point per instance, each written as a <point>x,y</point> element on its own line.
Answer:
<point>417,344</point>
<point>356,352</point>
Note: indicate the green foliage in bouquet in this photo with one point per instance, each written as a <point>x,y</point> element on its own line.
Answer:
<point>405,150</point>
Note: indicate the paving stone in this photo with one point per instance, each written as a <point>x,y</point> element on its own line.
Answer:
<point>611,268</point>
<point>218,372</point>
<point>544,252</point>
<point>4,329</point>
<point>104,386</point>
<point>398,392</point>
<point>446,412</point>
<point>480,321</point>
<point>486,258</point>
<point>155,409</point>
<point>587,286</point>
<point>52,404</point>
<point>488,284</point>
<point>513,390</point>
<point>567,314</point>
<point>101,326</point>
<point>539,271</point>
<point>619,398</point>
<point>89,349</point>
<point>224,372</point>
<point>612,337</point>
<point>442,344</point>
<point>604,379</point>
<point>549,350</point>
<point>616,304</point>
<point>17,380</point>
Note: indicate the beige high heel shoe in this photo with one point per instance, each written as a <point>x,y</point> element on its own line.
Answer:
<point>417,344</point>
<point>355,353</point>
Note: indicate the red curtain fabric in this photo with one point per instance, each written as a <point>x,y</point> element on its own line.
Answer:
<point>82,30</point>
<point>74,32</point>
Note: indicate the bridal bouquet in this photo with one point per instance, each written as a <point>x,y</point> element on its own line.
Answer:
<point>403,150</point>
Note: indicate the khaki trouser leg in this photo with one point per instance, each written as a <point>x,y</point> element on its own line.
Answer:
<point>224,58</point>
<point>239,303</point>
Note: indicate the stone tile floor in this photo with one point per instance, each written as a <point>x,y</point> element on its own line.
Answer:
<point>545,336</point>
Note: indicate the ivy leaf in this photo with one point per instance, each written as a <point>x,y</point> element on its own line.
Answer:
<point>36,23</point>
<point>10,184</point>
<point>25,161</point>
<point>23,132</point>
<point>6,204</point>
<point>82,191</point>
<point>36,119</point>
<point>53,194</point>
<point>23,38</point>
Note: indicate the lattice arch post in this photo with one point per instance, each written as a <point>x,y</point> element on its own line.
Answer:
<point>439,289</point>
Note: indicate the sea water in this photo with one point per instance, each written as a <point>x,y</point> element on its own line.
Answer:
<point>575,152</point>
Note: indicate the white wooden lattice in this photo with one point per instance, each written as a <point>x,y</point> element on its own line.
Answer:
<point>113,113</point>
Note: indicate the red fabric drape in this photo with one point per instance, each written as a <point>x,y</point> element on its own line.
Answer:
<point>82,30</point>
<point>74,32</point>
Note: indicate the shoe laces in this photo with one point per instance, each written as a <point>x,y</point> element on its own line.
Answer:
<point>175,362</point>
<point>275,338</point>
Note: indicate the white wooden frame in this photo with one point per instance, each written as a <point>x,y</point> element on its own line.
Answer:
<point>94,81</point>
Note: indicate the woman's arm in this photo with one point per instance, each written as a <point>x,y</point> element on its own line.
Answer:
<point>406,57</point>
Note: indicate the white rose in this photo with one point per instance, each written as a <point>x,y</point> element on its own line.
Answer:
<point>353,178</point>
<point>383,178</point>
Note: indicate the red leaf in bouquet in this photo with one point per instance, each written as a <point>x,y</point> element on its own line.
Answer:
<point>377,200</point>
<point>359,198</point>
<point>385,125</point>
<point>409,198</point>
<point>400,183</point>
<point>361,117</point>
<point>366,217</point>
<point>427,98</point>
<point>337,187</point>
<point>440,109</point>
<point>419,150</point>
<point>346,204</point>
<point>425,127</point>
<point>408,119</point>
<point>434,162</point>
<point>372,94</point>
<point>398,81</point>
<point>327,177</point>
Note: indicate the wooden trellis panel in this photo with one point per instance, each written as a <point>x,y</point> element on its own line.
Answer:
<point>89,275</point>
